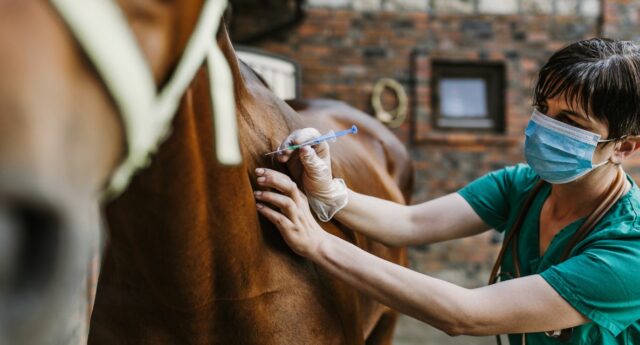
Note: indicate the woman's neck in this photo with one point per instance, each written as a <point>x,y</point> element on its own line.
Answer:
<point>578,198</point>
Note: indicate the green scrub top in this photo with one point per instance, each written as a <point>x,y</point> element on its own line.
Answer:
<point>601,279</point>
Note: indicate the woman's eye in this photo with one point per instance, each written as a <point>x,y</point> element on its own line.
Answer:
<point>568,121</point>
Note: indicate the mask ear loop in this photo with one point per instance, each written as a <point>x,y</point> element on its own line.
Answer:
<point>614,139</point>
<point>606,141</point>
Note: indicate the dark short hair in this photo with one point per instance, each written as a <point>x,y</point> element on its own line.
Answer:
<point>600,75</point>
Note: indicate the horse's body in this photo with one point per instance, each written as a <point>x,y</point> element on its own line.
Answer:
<point>189,260</point>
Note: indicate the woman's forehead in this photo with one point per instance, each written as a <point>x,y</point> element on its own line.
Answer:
<point>570,103</point>
<point>573,107</point>
<point>562,103</point>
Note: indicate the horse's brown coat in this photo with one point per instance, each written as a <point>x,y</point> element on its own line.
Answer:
<point>190,261</point>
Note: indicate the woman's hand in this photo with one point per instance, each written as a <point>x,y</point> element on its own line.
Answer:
<point>316,160</point>
<point>291,214</point>
<point>326,194</point>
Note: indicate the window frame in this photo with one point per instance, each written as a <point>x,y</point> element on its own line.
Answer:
<point>493,73</point>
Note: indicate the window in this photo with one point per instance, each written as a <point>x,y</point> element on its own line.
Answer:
<point>468,95</point>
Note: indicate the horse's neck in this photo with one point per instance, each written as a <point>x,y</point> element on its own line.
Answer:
<point>185,187</point>
<point>263,119</point>
<point>192,212</point>
<point>188,211</point>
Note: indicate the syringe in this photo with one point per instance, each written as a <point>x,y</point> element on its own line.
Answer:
<point>330,136</point>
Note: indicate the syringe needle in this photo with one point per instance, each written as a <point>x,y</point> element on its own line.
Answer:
<point>274,152</point>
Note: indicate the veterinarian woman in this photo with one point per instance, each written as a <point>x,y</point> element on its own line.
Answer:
<point>569,272</point>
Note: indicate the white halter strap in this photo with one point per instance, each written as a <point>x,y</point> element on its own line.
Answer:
<point>100,28</point>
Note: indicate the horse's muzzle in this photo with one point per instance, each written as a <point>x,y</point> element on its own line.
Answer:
<point>42,262</point>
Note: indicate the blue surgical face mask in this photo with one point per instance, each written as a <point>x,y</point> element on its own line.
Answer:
<point>558,152</point>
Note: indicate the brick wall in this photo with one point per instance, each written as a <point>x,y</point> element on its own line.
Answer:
<point>622,19</point>
<point>344,47</point>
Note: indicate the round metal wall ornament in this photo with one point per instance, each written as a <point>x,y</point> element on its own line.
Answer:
<point>395,117</point>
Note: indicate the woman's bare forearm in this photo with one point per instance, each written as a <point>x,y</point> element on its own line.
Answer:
<point>382,220</point>
<point>436,302</point>
<point>394,224</point>
<point>453,309</point>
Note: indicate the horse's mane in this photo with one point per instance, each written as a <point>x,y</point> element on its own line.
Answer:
<point>255,74</point>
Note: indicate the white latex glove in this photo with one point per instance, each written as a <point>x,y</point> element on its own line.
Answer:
<point>326,195</point>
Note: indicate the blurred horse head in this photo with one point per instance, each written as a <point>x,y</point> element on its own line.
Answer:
<point>63,135</point>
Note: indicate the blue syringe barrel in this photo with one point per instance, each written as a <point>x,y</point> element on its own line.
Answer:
<point>353,130</point>
<point>331,136</point>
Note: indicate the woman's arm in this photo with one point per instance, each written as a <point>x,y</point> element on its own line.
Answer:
<point>393,224</point>
<point>521,305</point>
<point>526,304</point>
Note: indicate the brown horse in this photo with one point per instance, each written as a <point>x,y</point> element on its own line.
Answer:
<point>189,261</point>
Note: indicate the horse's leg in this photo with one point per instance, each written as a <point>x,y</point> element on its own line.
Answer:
<point>382,333</point>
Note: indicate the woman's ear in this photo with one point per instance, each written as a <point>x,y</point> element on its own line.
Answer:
<point>625,149</point>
